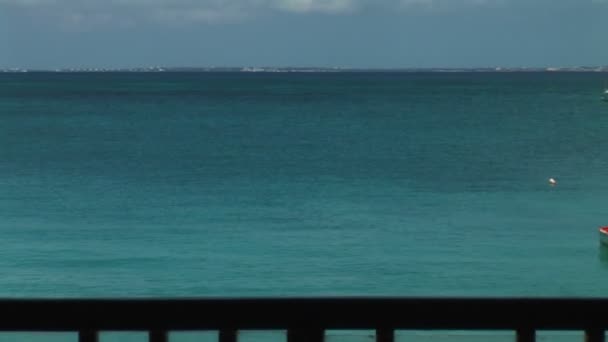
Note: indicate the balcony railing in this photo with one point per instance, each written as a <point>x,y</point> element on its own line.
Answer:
<point>305,319</point>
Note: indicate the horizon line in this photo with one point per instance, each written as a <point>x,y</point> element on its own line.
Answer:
<point>591,68</point>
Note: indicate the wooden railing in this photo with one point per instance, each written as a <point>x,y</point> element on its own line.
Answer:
<point>305,319</point>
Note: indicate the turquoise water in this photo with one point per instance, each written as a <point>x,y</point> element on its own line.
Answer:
<point>203,184</point>
<point>330,336</point>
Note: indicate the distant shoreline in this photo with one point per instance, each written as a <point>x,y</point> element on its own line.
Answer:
<point>303,70</point>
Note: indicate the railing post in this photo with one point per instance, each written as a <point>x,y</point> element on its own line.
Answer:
<point>385,335</point>
<point>228,335</point>
<point>88,336</point>
<point>594,335</point>
<point>158,336</point>
<point>526,335</point>
<point>306,335</point>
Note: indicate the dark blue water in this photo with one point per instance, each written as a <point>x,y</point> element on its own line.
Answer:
<point>242,184</point>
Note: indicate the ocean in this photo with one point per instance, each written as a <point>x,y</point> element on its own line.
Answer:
<point>302,184</point>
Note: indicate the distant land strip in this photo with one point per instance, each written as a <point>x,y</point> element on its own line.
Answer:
<point>311,69</point>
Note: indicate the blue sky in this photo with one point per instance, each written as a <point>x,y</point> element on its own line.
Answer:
<point>324,33</point>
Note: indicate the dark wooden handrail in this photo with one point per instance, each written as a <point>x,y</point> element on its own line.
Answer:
<point>305,319</point>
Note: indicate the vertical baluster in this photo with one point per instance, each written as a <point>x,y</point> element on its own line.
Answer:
<point>306,335</point>
<point>228,335</point>
<point>385,335</point>
<point>594,335</point>
<point>158,336</point>
<point>88,336</point>
<point>526,335</point>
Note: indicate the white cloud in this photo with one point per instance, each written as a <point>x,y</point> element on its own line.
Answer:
<point>210,11</point>
<point>128,12</point>
<point>331,6</point>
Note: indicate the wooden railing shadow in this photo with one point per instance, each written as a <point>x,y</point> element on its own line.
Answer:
<point>305,319</point>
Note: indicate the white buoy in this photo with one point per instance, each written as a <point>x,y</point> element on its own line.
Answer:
<point>552,181</point>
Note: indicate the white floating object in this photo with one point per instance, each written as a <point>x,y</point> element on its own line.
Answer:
<point>604,235</point>
<point>552,181</point>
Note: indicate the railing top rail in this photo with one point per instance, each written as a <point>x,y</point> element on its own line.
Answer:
<point>302,312</point>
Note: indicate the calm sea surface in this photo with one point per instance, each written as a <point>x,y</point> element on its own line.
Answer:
<point>203,184</point>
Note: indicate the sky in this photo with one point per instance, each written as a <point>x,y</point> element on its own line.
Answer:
<point>307,33</point>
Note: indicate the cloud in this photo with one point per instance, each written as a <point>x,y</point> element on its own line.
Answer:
<point>81,12</point>
<point>330,6</point>
<point>208,6</point>
<point>130,12</point>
